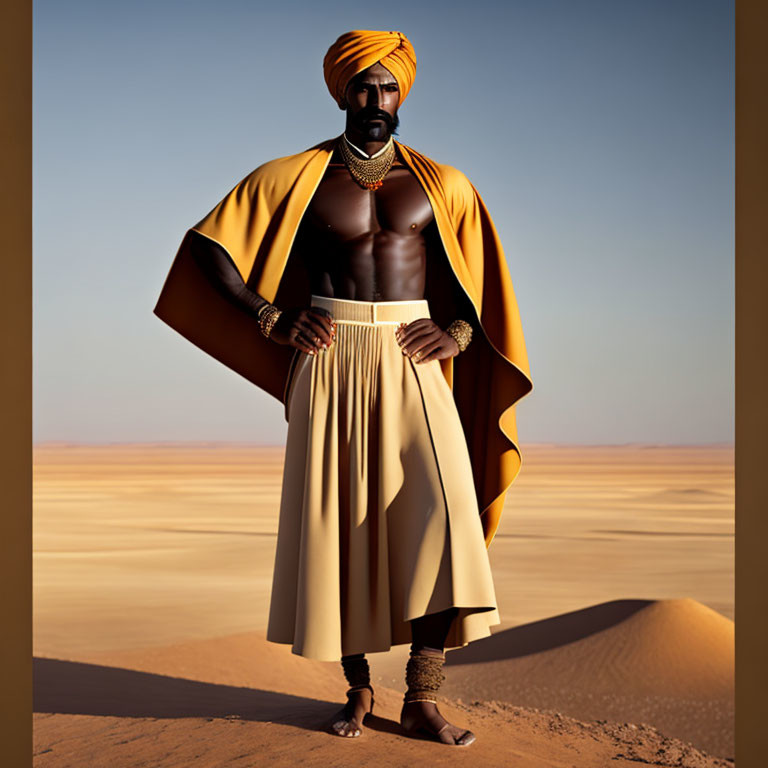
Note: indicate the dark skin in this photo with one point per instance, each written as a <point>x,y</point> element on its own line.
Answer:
<point>380,245</point>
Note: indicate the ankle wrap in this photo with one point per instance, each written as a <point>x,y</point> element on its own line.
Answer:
<point>423,675</point>
<point>356,670</point>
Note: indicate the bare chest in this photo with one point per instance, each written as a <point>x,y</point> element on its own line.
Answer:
<point>343,209</point>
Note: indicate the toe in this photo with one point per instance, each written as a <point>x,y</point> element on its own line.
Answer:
<point>348,729</point>
<point>466,738</point>
<point>339,727</point>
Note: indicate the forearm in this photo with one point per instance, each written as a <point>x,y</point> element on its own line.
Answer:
<point>453,313</point>
<point>462,307</point>
<point>217,266</point>
<point>451,306</point>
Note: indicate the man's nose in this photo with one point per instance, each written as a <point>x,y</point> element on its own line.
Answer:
<point>373,97</point>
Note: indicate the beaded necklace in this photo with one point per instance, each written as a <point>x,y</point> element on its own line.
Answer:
<point>369,173</point>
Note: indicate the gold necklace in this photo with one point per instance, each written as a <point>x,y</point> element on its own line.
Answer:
<point>369,173</point>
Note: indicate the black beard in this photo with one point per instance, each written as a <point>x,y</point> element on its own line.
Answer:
<point>374,131</point>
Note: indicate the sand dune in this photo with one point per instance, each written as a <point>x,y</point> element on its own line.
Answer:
<point>243,702</point>
<point>613,567</point>
<point>669,663</point>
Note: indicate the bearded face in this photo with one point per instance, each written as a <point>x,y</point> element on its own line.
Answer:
<point>372,99</point>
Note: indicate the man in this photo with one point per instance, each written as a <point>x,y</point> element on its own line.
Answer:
<point>364,286</point>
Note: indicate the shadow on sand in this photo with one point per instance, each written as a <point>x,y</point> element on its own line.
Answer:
<point>546,634</point>
<point>76,688</point>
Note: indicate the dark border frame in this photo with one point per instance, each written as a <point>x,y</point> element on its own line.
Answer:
<point>751,376</point>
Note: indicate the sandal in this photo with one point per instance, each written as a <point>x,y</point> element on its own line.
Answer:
<point>359,688</point>
<point>409,723</point>
<point>370,711</point>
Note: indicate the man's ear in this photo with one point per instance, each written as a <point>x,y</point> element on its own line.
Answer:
<point>343,103</point>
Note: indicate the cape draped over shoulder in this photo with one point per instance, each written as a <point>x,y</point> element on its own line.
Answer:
<point>256,223</point>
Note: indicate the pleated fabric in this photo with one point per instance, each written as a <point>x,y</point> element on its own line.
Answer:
<point>379,522</point>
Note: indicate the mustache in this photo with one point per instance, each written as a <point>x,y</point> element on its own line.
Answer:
<point>366,114</point>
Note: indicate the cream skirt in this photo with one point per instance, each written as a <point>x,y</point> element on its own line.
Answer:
<point>379,522</point>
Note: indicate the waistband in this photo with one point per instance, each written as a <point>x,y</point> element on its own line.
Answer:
<point>372,312</point>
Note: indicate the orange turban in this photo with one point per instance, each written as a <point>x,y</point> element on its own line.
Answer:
<point>361,48</point>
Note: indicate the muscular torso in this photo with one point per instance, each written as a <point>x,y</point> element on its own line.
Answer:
<point>359,244</point>
<point>367,245</point>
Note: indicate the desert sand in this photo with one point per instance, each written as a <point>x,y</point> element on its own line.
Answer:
<point>613,569</point>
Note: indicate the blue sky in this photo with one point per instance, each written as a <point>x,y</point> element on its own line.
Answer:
<point>599,134</point>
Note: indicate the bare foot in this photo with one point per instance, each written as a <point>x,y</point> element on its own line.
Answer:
<point>423,717</point>
<point>348,720</point>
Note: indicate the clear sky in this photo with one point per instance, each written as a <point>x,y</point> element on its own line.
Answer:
<point>599,134</point>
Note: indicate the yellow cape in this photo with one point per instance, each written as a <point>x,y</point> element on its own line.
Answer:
<point>256,223</point>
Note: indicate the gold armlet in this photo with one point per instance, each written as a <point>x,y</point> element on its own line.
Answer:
<point>267,317</point>
<point>461,330</point>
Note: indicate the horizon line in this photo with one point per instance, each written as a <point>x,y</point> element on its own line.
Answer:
<point>261,444</point>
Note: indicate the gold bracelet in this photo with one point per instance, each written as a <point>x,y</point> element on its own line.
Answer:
<point>461,330</point>
<point>267,316</point>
